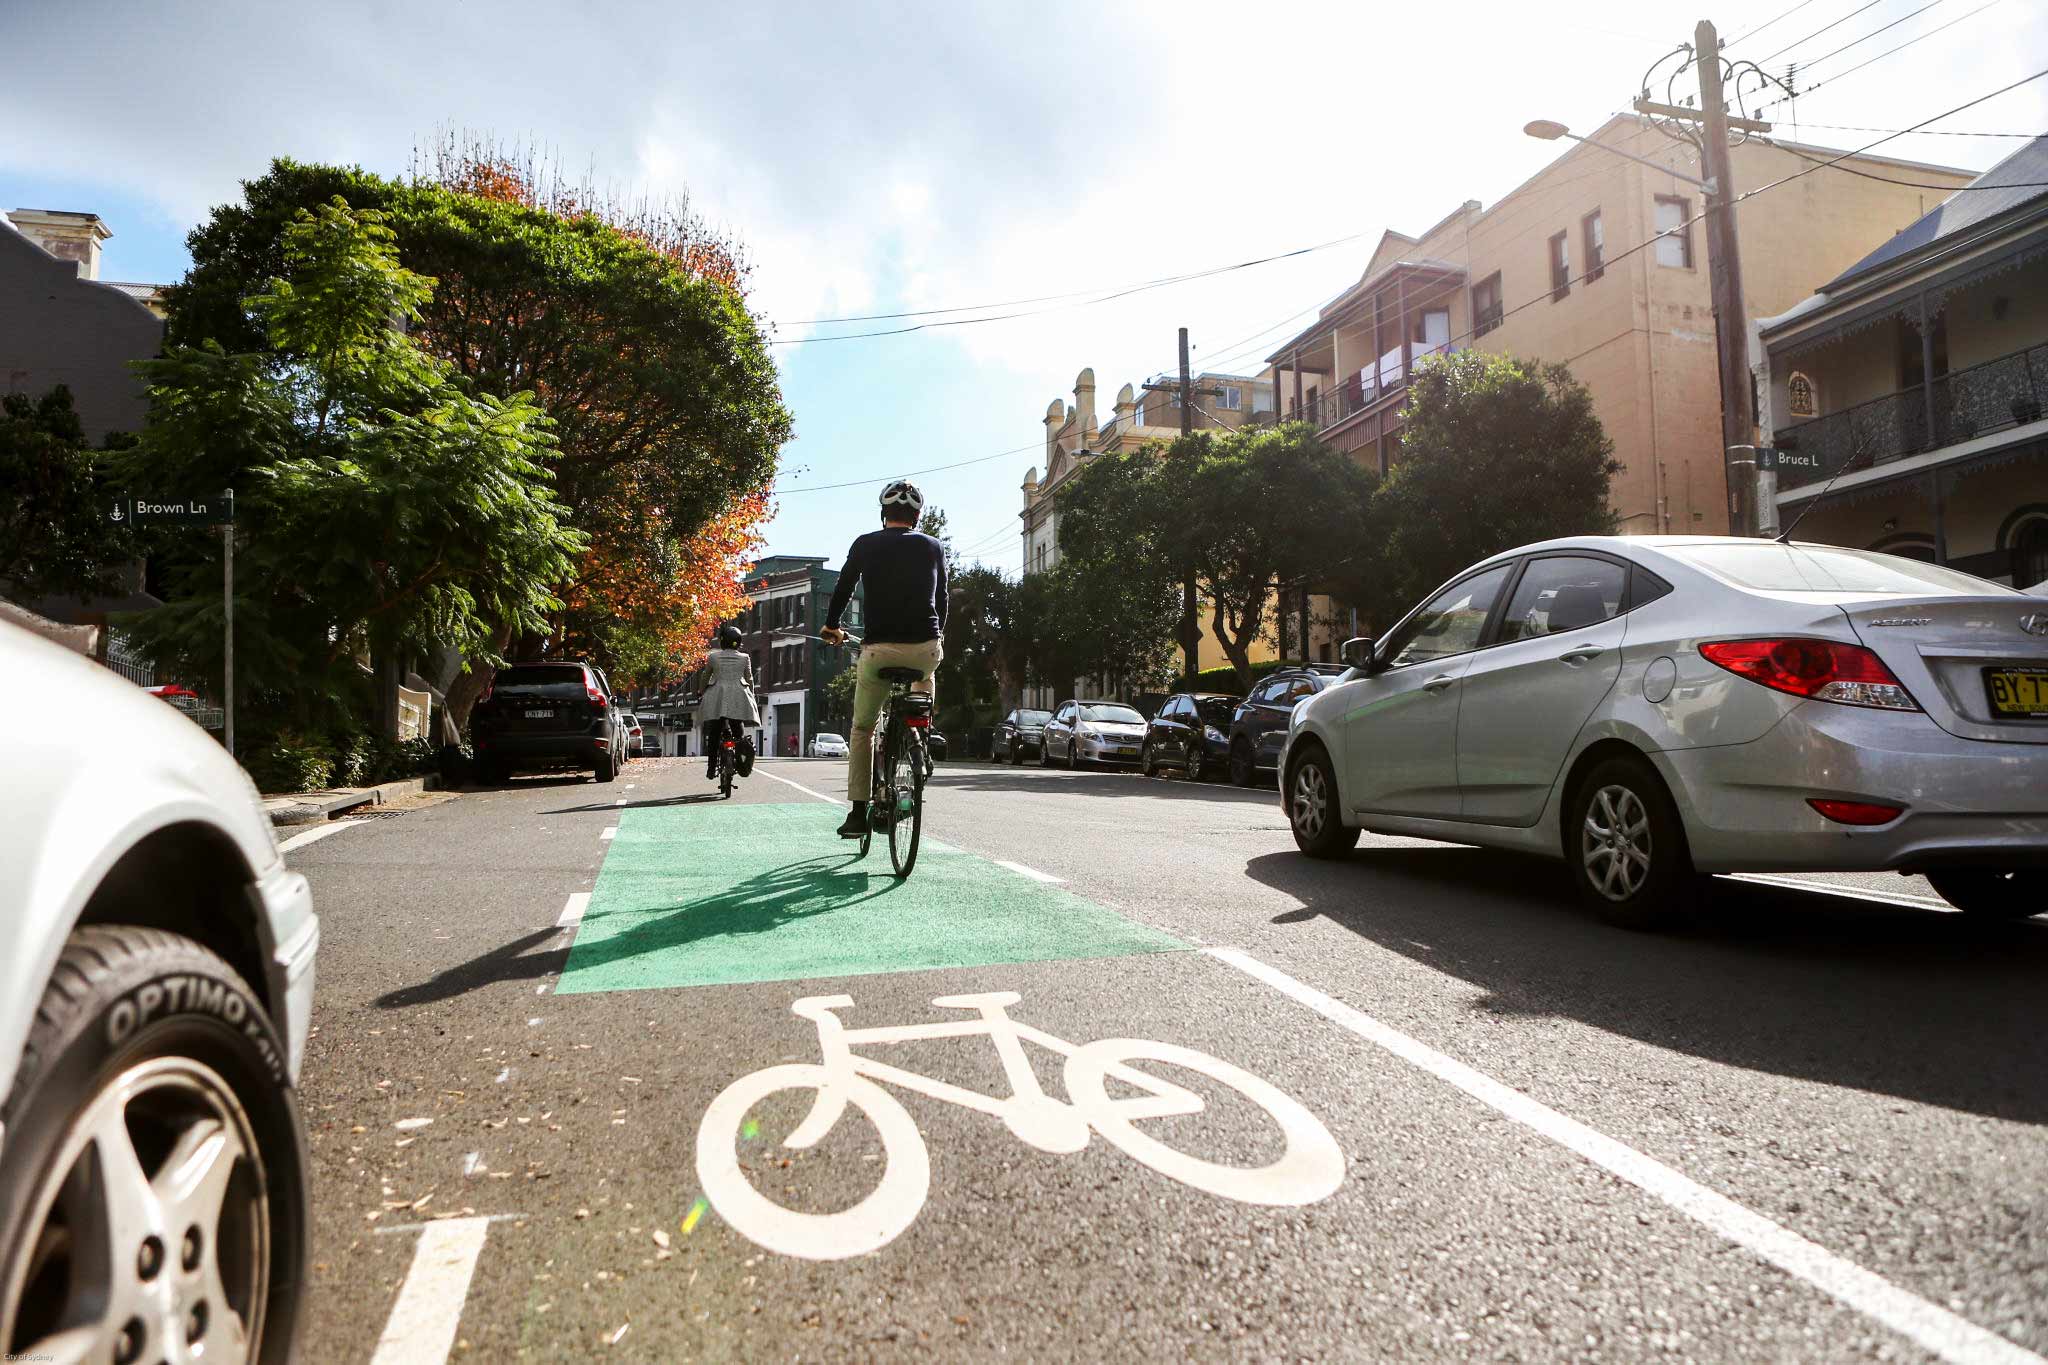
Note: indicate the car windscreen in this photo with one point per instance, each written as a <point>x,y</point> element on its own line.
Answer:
<point>1771,567</point>
<point>1033,717</point>
<point>824,738</point>
<point>1112,715</point>
<point>527,682</point>
<point>1217,710</point>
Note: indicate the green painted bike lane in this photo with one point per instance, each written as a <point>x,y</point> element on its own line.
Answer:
<point>729,893</point>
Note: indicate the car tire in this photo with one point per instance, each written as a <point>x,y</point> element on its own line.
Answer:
<point>1016,755</point>
<point>1312,811</point>
<point>1993,895</point>
<point>1242,770</point>
<point>1145,768</point>
<point>1044,754</point>
<point>1072,762</point>
<point>607,768</point>
<point>1194,763</point>
<point>1642,876</point>
<point>149,1046</point>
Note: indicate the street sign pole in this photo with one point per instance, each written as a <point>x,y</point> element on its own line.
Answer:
<point>227,559</point>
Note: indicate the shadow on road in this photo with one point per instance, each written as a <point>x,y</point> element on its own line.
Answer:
<point>1918,1004</point>
<point>1098,782</point>
<point>514,961</point>
<point>757,905</point>
<point>656,803</point>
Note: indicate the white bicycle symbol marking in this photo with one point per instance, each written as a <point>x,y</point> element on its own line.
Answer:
<point>1310,1167</point>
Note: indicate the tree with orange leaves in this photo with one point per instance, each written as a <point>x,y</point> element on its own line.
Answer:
<point>628,323</point>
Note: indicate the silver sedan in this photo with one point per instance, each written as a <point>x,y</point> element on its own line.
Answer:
<point>1652,709</point>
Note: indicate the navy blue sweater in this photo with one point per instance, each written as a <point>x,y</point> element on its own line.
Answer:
<point>905,573</point>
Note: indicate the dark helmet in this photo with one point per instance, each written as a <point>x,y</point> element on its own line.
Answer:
<point>902,500</point>
<point>729,637</point>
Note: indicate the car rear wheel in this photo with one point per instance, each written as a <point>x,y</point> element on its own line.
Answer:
<point>1242,771</point>
<point>1993,895</point>
<point>1312,813</point>
<point>1626,848</point>
<point>607,768</point>
<point>154,1204</point>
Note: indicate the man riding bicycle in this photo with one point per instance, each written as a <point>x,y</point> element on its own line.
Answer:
<point>728,703</point>
<point>905,601</point>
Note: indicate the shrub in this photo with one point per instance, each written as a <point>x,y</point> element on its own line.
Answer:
<point>291,762</point>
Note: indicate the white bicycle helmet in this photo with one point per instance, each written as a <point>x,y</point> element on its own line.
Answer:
<point>902,497</point>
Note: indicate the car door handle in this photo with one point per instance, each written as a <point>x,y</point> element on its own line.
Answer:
<point>1439,682</point>
<point>1579,655</point>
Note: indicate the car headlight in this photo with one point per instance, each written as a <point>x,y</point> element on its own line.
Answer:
<point>1213,733</point>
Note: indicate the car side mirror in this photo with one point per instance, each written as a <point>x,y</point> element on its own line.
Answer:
<point>1358,653</point>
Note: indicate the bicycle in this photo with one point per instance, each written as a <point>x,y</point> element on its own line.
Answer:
<point>728,765</point>
<point>1309,1168</point>
<point>898,764</point>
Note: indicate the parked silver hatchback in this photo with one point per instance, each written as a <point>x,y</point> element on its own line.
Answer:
<point>1651,709</point>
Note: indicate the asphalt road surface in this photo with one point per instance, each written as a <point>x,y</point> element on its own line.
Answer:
<point>1414,1104</point>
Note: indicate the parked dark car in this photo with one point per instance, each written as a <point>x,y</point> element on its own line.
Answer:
<point>1190,731</point>
<point>1260,726</point>
<point>1022,732</point>
<point>541,716</point>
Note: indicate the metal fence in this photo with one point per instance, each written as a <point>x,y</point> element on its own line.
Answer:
<point>2009,391</point>
<point>123,659</point>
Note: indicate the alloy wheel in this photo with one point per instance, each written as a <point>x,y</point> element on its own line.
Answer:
<point>1615,842</point>
<point>151,1232</point>
<point>1310,808</point>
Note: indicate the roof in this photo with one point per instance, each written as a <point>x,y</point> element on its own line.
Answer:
<point>2018,180</point>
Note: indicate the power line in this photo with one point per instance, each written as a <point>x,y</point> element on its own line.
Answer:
<point>1088,302</point>
<point>1912,184</point>
<point>1924,132</point>
<point>1890,51</point>
<point>1782,14</point>
<point>1816,61</point>
<point>885,478</point>
<point>1872,4</point>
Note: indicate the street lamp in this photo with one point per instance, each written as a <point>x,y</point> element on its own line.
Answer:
<point>1550,130</point>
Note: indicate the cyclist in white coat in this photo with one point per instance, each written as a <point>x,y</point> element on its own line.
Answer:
<point>728,705</point>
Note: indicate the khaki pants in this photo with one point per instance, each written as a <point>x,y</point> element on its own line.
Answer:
<point>869,691</point>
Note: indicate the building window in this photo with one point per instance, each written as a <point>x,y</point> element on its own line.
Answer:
<point>1595,239</point>
<point>1232,398</point>
<point>1429,332</point>
<point>1560,266</point>
<point>1486,309</point>
<point>1674,232</point>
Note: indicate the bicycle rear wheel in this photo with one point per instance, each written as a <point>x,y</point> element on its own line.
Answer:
<point>906,801</point>
<point>725,777</point>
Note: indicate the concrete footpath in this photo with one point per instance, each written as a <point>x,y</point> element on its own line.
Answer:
<point>305,807</point>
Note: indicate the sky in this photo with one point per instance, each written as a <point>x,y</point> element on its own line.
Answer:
<point>885,158</point>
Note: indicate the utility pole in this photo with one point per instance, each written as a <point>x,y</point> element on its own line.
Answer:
<point>1724,267</point>
<point>1190,633</point>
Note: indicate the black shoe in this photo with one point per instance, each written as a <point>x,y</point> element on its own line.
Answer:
<point>856,822</point>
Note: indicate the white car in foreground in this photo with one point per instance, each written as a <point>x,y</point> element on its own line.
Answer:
<point>156,979</point>
<point>1653,708</point>
<point>828,745</point>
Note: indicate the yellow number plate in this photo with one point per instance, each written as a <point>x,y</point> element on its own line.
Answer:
<point>2018,692</point>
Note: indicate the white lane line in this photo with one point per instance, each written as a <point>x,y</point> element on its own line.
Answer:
<point>1906,898</point>
<point>317,832</point>
<point>798,785</point>
<point>421,1329</point>
<point>620,802</point>
<point>1030,872</point>
<point>572,913</point>
<point>611,832</point>
<point>391,1229</point>
<point>1933,1328</point>
<point>631,785</point>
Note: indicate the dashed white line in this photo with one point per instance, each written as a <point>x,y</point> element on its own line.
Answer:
<point>317,832</point>
<point>610,833</point>
<point>620,802</point>
<point>1933,1328</point>
<point>1030,872</point>
<point>1905,898</point>
<point>572,912</point>
<point>421,1329</point>
<point>798,785</point>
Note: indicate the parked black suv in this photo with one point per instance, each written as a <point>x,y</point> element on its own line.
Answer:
<point>1020,733</point>
<point>1260,726</point>
<point>1190,731</point>
<point>555,715</point>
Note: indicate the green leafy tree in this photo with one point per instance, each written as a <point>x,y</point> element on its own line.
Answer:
<point>636,342</point>
<point>1250,509</point>
<point>1110,608</point>
<point>384,505</point>
<point>1496,452</point>
<point>55,534</point>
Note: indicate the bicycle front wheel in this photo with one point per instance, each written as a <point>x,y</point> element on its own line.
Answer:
<point>725,778</point>
<point>906,802</point>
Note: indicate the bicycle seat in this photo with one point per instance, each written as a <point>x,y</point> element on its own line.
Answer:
<point>900,675</point>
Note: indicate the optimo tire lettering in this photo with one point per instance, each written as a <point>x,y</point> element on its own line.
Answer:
<point>192,995</point>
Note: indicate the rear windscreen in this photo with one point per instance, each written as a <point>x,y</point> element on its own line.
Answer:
<point>1770,567</point>
<point>1217,710</point>
<point>527,682</point>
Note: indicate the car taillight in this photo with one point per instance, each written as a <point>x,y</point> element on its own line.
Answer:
<point>1855,812</point>
<point>918,722</point>
<point>1825,670</point>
